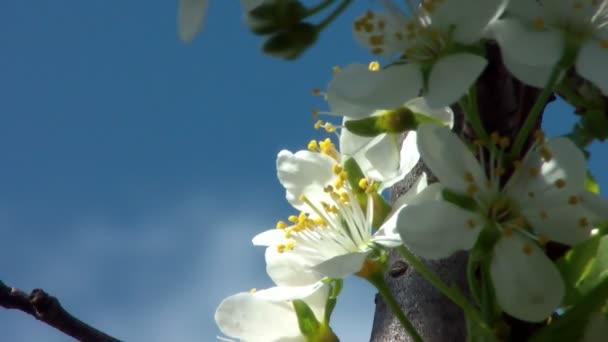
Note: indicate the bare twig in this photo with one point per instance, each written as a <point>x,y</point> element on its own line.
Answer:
<point>47,309</point>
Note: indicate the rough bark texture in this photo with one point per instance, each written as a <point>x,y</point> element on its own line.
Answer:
<point>503,102</point>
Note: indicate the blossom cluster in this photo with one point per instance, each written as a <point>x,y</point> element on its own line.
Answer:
<point>503,206</point>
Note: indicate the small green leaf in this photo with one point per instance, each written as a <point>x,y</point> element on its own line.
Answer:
<point>591,184</point>
<point>292,43</point>
<point>275,15</point>
<point>308,323</point>
<point>576,265</point>
<point>463,201</point>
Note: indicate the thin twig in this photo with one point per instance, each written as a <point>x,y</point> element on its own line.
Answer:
<point>47,309</point>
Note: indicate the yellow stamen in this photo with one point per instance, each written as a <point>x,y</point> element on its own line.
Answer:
<point>374,66</point>
<point>363,183</point>
<point>312,145</point>
<point>560,183</point>
<point>335,70</point>
<point>281,225</point>
<point>527,249</point>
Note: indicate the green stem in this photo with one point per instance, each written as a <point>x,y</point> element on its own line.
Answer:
<point>451,292</point>
<point>334,14</point>
<point>318,8</point>
<point>472,279</point>
<point>472,113</point>
<point>378,281</point>
<point>536,110</point>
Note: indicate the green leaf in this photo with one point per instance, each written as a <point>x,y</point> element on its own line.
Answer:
<point>576,265</point>
<point>292,43</point>
<point>591,184</point>
<point>571,325</point>
<point>308,323</point>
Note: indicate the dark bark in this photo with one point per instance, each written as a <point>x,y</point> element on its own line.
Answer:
<point>47,309</point>
<point>503,103</point>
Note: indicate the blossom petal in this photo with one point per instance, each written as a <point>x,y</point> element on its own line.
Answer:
<point>384,156</point>
<point>448,157</point>
<point>567,224</point>
<point>282,293</point>
<point>452,76</point>
<point>270,237</point>
<point>420,105</point>
<point>536,76</point>
<point>591,64</point>
<point>290,269</point>
<point>478,14</point>
<point>527,45</point>
<point>343,265</point>
<point>245,316</point>
<point>388,235</point>
<point>304,173</point>
<point>528,285</point>
<point>190,18</point>
<point>437,229</point>
<point>356,91</point>
<point>537,182</point>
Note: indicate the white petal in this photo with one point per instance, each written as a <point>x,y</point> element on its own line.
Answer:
<point>479,13</point>
<point>526,9</point>
<point>245,316</point>
<point>567,164</point>
<point>270,237</point>
<point>536,76</point>
<point>452,76</point>
<point>388,235</point>
<point>343,265</point>
<point>190,18</point>
<point>528,286</point>
<point>393,25</point>
<point>420,105</point>
<point>527,45</point>
<point>447,157</point>
<point>305,173</point>
<point>290,269</point>
<point>437,229</point>
<point>383,155</point>
<point>356,91</point>
<point>563,224</point>
<point>591,64</point>
<point>596,205</point>
<point>283,293</point>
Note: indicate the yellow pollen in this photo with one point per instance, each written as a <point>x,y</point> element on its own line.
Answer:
<point>504,142</point>
<point>435,35</point>
<point>316,91</point>
<point>343,175</point>
<point>495,137</point>
<point>312,145</point>
<point>368,27</point>
<point>472,189</point>
<point>560,183</point>
<point>543,214</point>
<point>281,248</point>
<point>253,290</point>
<point>533,172</point>
<point>363,183</point>
<point>539,136</point>
<point>377,51</point>
<point>329,128</point>
<point>604,43</point>
<point>527,249</point>
<point>579,5</point>
<point>292,218</point>
<point>471,223</point>
<point>281,225</point>
<point>381,24</point>
<point>520,221</point>
<point>336,168</point>
<point>328,189</point>
<point>315,113</point>
<point>428,6</point>
<point>369,15</point>
<point>500,170</point>
<point>542,240</point>
<point>410,26</point>
<point>539,23</point>
<point>573,200</point>
<point>410,51</point>
<point>376,40</point>
<point>318,124</point>
<point>517,164</point>
<point>469,177</point>
<point>479,142</point>
<point>545,154</point>
<point>374,66</point>
<point>344,197</point>
<point>583,222</point>
<point>335,70</point>
<point>289,245</point>
<point>507,232</point>
<point>338,183</point>
<point>398,35</point>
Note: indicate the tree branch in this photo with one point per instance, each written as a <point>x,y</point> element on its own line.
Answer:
<point>47,309</point>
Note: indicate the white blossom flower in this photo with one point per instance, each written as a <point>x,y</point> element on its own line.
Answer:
<point>535,35</point>
<point>333,234</point>
<point>543,199</point>
<point>432,42</point>
<point>268,315</point>
<point>356,93</point>
<point>191,18</point>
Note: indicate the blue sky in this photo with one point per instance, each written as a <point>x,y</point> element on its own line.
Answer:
<point>136,169</point>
